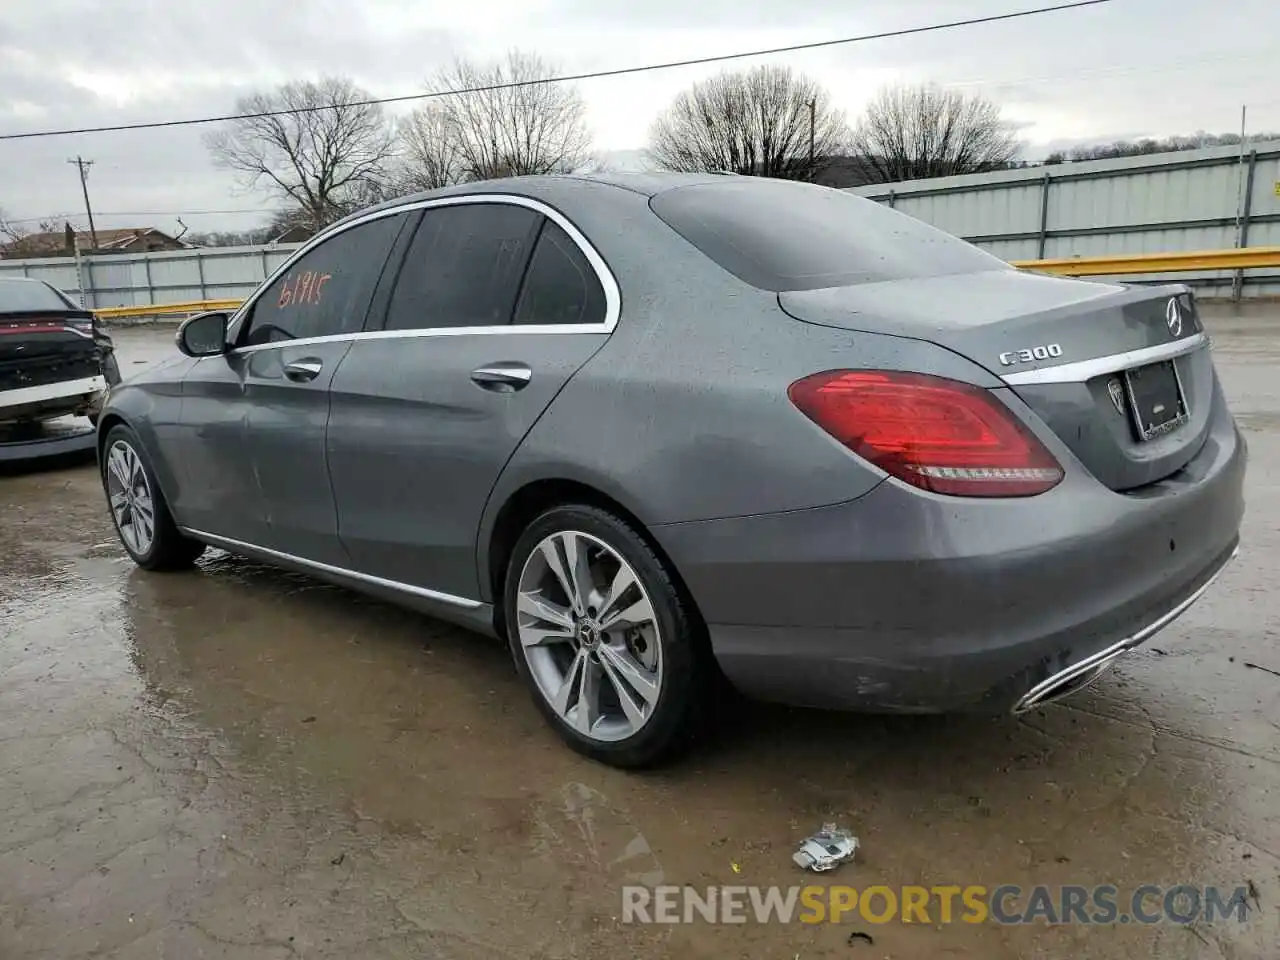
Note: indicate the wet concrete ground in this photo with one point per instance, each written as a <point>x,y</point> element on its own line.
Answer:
<point>240,763</point>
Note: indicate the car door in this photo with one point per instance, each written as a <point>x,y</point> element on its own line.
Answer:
<point>266,403</point>
<point>498,302</point>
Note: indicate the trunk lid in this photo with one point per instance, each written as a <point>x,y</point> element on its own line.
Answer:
<point>1063,346</point>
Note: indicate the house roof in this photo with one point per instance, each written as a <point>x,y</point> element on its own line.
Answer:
<point>54,241</point>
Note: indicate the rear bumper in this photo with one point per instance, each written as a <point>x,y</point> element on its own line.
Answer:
<point>48,444</point>
<point>907,602</point>
<point>52,399</point>
<point>1085,671</point>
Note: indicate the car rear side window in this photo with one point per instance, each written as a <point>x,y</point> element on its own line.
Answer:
<point>19,296</point>
<point>327,291</point>
<point>560,286</point>
<point>464,266</point>
<point>779,235</point>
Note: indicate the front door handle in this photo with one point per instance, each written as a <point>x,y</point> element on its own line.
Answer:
<point>505,377</point>
<point>300,371</point>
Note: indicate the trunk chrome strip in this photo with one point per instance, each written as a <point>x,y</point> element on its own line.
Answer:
<point>1083,370</point>
<point>228,543</point>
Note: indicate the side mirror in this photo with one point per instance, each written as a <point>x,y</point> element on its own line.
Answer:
<point>204,335</point>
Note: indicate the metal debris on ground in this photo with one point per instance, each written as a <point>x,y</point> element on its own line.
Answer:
<point>826,849</point>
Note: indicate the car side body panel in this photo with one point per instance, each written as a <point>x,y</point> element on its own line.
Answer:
<point>286,441</point>
<point>415,445</point>
<point>207,451</point>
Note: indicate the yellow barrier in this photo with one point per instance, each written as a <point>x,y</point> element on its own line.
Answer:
<point>165,309</point>
<point>1241,259</point>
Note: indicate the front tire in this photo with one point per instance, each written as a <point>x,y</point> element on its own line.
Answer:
<point>600,631</point>
<point>138,508</point>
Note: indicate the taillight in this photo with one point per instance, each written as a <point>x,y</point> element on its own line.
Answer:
<point>81,325</point>
<point>938,434</point>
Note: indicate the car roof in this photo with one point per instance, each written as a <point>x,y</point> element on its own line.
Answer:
<point>646,184</point>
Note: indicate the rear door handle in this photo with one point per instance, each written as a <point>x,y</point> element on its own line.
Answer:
<point>300,371</point>
<point>505,377</point>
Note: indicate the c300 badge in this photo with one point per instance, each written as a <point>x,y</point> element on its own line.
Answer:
<point>1043,352</point>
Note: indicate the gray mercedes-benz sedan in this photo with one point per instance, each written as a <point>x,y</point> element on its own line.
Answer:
<point>652,427</point>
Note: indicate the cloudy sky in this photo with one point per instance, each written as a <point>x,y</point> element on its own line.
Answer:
<point>1124,69</point>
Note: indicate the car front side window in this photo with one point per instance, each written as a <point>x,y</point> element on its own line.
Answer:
<point>325,292</point>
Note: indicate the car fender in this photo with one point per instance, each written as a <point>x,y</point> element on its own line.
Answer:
<point>133,405</point>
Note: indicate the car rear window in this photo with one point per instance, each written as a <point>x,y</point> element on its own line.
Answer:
<point>18,296</point>
<point>780,235</point>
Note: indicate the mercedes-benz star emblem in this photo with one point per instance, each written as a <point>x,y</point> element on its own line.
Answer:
<point>1116,390</point>
<point>1173,317</point>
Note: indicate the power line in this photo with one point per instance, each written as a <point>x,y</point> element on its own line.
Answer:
<point>567,78</point>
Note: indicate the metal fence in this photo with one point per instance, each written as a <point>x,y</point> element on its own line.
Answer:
<point>123,280</point>
<point>1207,199</point>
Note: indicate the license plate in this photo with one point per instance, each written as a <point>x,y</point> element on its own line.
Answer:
<point>1156,400</point>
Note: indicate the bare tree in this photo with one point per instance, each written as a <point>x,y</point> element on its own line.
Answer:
<point>431,153</point>
<point>910,133</point>
<point>530,128</point>
<point>324,150</point>
<point>1149,145</point>
<point>14,230</point>
<point>19,238</point>
<point>758,121</point>
<point>10,230</point>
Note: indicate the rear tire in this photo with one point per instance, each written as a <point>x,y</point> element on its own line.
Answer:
<point>599,630</point>
<point>138,508</point>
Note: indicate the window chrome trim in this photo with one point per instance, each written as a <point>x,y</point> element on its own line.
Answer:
<point>1083,370</point>
<point>229,544</point>
<point>612,293</point>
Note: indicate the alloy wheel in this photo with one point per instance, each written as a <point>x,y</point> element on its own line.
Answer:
<point>129,492</point>
<point>589,633</point>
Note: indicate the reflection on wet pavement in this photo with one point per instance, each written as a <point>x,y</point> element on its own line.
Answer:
<point>238,762</point>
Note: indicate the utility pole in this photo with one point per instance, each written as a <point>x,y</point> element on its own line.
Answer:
<point>83,165</point>
<point>1243,199</point>
<point>813,110</point>
<point>1244,114</point>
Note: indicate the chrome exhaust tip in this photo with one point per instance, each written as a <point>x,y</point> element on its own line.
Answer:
<point>1080,675</point>
<point>1062,685</point>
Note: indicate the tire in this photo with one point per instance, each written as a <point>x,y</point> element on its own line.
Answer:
<point>127,475</point>
<point>657,662</point>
